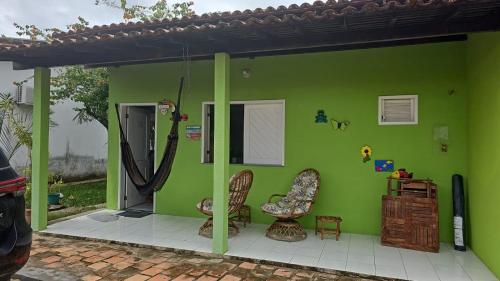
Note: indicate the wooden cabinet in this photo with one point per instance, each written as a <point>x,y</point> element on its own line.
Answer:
<point>410,216</point>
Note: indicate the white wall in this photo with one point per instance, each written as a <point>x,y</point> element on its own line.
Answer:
<point>7,76</point>
<point>87,139</point>
<point>85,143</point>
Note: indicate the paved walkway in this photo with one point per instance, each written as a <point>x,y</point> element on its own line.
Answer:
<point>54,258</point>
<point>363,254</point>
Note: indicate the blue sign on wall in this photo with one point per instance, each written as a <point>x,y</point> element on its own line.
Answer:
<point>384,166</point>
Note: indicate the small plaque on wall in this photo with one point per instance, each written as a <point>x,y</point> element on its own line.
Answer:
<point>384,166</point>
<point>193,132</point>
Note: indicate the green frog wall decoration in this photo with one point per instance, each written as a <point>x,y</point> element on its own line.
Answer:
<point>321,117</point>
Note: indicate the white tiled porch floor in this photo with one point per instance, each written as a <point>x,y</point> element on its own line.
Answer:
<point>355,253</point>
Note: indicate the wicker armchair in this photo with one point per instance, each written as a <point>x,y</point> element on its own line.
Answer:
<point>239,186</point>
<point>296,203</point>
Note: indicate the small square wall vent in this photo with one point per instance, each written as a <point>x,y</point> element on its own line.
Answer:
<point>398,110</point>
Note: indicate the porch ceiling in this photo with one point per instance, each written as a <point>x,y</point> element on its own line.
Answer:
<point>331,25</point>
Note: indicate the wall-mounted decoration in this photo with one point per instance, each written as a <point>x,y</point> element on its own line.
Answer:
<point>382,166</point>
<point>441,135</point>
<point>366,152</point>
<point>193,132</point>
<point>321,117</point>
<point>165,106</point>
<point>339,125</point>
<point>402,174</point>
<point>246,73</point>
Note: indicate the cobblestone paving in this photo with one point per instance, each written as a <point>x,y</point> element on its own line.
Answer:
<point>54,258</point>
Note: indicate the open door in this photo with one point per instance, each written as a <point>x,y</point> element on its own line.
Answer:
<point>140,130</point>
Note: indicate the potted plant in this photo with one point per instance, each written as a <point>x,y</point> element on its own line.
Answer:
<point>55,195</point>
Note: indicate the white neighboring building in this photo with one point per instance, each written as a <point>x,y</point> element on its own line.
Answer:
<point>77,151</point>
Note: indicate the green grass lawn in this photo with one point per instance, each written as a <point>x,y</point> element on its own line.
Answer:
<point>82,195</point>
<point>78,198</point>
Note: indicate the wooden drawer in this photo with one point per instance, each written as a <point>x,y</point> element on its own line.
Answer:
<point>410,222</point>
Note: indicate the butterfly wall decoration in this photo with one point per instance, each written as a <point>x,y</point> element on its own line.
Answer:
<point>339,125</point>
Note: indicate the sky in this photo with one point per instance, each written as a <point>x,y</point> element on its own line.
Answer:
<point>59,13</point>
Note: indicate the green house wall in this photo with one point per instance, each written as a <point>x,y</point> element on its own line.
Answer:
<point>346,85</point>
<point>483,65</point>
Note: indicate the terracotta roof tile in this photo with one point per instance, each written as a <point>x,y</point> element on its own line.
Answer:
<point>332,23</point>
<point>8,42</point>
<point>319,10</point>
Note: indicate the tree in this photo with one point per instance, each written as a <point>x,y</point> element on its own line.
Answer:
<point>90,87</point>
<point>159,11</point>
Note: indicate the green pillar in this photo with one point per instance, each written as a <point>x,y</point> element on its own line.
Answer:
<point>40,150</point>
<point>114,166</point>
<point>221,153</point>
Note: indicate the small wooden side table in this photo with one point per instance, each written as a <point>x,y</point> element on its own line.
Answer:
<point>321,226</point>
<point>244,215</point>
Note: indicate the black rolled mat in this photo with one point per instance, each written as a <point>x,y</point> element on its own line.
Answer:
<point>134,214</point>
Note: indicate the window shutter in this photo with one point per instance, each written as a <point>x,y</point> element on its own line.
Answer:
<point>264,134</point>
<point>398,110</point>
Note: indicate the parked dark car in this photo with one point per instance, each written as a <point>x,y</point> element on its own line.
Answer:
<point>15,232</point>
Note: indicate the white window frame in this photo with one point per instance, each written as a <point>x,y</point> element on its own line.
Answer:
<point>414,107</point>
<point>249,102</point>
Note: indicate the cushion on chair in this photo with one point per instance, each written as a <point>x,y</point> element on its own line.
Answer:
<point>304,186</point>
<point>280,208</point>
<point>303,189</point>
<point>207,205</point>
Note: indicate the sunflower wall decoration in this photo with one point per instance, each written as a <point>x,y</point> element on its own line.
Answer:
<point>366,152</point>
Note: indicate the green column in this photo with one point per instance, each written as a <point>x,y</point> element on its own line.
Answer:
<point>40,151</point>
<point>221,153</point>
<point>114,157</point>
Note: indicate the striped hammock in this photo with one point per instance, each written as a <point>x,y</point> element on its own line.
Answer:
<point>145,186</point>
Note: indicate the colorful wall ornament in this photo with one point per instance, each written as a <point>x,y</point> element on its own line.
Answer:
<point>321,117</point>
<point>384,166</point>
<point>193,132</point>
<point>366,152</point>
<point>339,125</point>
<point>165,106</point>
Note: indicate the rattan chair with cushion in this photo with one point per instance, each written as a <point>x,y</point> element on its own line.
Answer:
<point>296,203</point>
<point>239,186</point>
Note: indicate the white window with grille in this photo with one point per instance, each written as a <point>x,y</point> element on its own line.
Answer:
<point>398,110</point>
<point>263,134</point>
<point>257,132</point>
